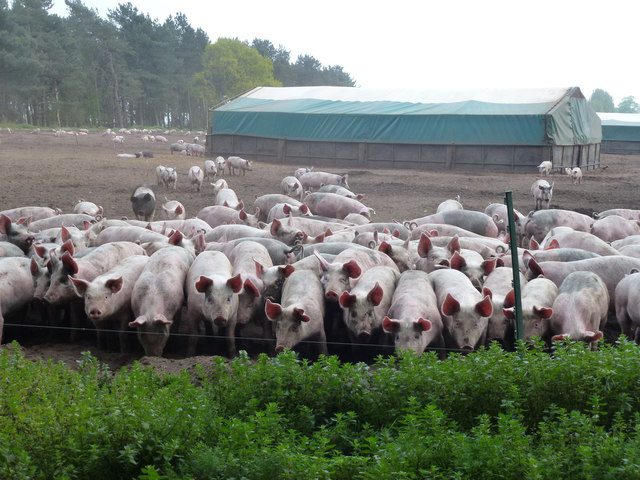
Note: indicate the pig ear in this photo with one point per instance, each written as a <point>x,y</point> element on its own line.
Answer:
<point>423,324</point>
<point>176,238</point>
<point>319,238</point>
<point>235,283</point>
<point>64,234</point>
<point>203,283</point>
<point>69,263</point>
<point>304,208</point>
<point>434,233</point>
<point>526,256</point>
<point>138,322</point>
<point>114,284</point>
<point>384,247</point>
<point>286,209</point>
<point>543,312</point>
<point>533,244</point>
<point>396,233</point>
<point>489,265</point>
<point>300,316</point>
<point>251,289</point>
<point>272,310</point>
<point>450,305</point>
<point>5,224</point>
<point>509,313</point>
<point>484,307</point>
<point>242,215</point>
<point>40,250</point>
<point>593,336</point>
<point>68,247</point>
<point>535,268</point>
<point>499,262</point>
<point>275,226</point>
<point>34,267</point>
<point>149,227</point>
<point>454,244</point>
<point>328,232</point>
<point>375,295</point>
<point>240,205</point>
<point>346,300</point>
<point>286,270</point>
<point>553,244</point>
<point>389,325</point>
<point>560,337</point>
<point>424,245</point>
<point>179,210</point>
<point>259,268</point>
<point>509,299</point>
<point>486,291</point>
<point>457,261</point>
<point>385,230</point>
<point>352,269</point>
<point>360,196</point>
<point>324,265</point>
<point>79,286</point>
<point>200,243</point>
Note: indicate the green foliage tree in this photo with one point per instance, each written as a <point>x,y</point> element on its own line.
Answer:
<point>628,105</point>
<point>601,101</point>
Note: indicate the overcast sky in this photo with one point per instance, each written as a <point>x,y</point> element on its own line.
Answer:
<point>435,44</point>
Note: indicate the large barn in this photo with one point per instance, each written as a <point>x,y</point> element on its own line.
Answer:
<point>620,133</point>
<point>502,130</point>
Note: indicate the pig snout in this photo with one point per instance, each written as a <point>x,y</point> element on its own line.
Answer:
<point>331,295</point>
<point>364,336</point>
<point>220,321</point>
<point>95,313</point>
<point>279,348</point>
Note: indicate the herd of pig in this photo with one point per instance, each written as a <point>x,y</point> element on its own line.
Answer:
<point>309,268</point>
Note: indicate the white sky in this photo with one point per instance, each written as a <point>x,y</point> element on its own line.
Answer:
<point>433,43</point>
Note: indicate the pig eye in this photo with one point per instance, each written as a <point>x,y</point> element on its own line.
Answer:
<point>397,337</point>
<point>353,314</point>
<point>417,335</point>
<point>64,280</point>
<point>229,299</point>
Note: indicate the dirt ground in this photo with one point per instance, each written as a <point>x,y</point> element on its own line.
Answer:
<point>41,169</point>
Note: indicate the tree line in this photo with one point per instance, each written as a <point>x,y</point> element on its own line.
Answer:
<point>131,70</point>
<point>602,101</point>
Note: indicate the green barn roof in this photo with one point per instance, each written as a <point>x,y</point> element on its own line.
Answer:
<point>620,126</point>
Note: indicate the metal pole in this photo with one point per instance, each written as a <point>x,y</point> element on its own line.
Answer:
<point>513,245</point>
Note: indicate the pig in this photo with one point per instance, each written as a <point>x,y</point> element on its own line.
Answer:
<point>312,263</point>
<point>566,238</point>
<point>195,150</point>
<point>17,287</point>
<point>537,300</point>
<point>413,317</point>
<point>129,233</point>
<point>283,210</point>
<point>334,205</point>
<point>404,255</point>
<point>545,168</point>
<point>158,295</point>
<point>339,190</point>
<point>542,192</point>
<point>173,210</point>
<point>143,203</point>
<point>236,163</point>
<point>498,284</point>
<point>219,185</point>
<point>274,277</point>
<point>627,213</point>
<point>498,212</point>
<point>292,187</point>
<point>218,215</point>
<point>614,227</point>
<point>473,265</point>
<point>34,213</point>
<point>266,202</point>
<point>581,308</point>
<point>610,269</point>
<point>332,248</point>
<point>312,226</point>
<point>627,303</point>
<point>144,154</point>
<point>16,233</point>
<point>356,218</point>
<point>228,198</point>
<point>465,312</point>
<point>440,229</point>
<point>210,170</point>
<point>299,316</point>
<point>575,173</point>
<point>470,220</point>
<point>220,164</point>
<point>341,275</point>
<point>301,171</point>
<point>177,147</point>
<point>315,180</point>
<point>630,240</point>
<point>366,304</point>
<point>450,204</point>
<point>432,257</point>
<point>107,298</point>
<point>10,250</point>
<point>212,296</point>
<point>88,208</point>
<point>553,255</point>
<point>224,233</point>
<point>170,177</point>
<point>279,252</point>
<point>160,174</point>
<point>196,176</point>
<point>67,219</point>
<point>537,224</point>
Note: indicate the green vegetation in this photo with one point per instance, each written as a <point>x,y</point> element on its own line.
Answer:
<point>129,69</point>
<point>491,414</point>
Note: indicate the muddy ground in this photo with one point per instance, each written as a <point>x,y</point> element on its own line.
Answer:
<point>41,169</point>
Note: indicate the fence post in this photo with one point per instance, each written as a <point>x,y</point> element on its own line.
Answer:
<point>513,246</point>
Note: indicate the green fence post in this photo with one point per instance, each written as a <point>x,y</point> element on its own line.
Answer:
<point>513,246</point>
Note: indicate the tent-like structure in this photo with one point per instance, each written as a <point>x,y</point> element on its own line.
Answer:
<point>620,132</point>
<point>349,126</point>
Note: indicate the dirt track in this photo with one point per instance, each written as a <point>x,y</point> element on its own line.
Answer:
<point>40,169</point>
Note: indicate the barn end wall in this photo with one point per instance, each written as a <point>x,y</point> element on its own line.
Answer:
<point>386,155</point>
<point>620,147</point>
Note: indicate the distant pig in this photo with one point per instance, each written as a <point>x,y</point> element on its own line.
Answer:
<point>196,176</point>
<point>300,314</point>
<point>221,163</point>
<point>315,180</point>
<point>143,202</point>
<point>210,169</point>
<point>88,208</point>
<point>545,167</point>
<point>575,173</point>
<point>335,206</point>
<point>170,177</point>
<point>542,192</point>
<point>16,233</point>
<point>292,187</point>
<point>240,164</point>
<point>173,210</point>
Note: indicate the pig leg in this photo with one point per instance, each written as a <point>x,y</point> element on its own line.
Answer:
<point>322,344</point>
<point>195,329</point>
<point>231,339</point>
<point>122,323</point>
<point>626,325</point>
<point>76,315</point>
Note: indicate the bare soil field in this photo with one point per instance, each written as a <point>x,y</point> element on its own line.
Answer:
<point>41,169</point>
